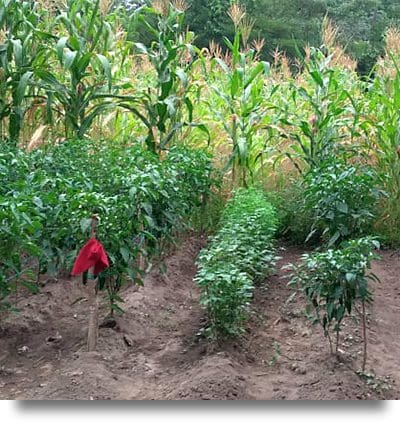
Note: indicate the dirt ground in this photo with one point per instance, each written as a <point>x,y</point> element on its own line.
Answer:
<point>154,351</point>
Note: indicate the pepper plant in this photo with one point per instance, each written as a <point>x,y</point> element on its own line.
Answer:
<point>49,195</point>
<point>335,282</point>
<point>237,257</point>
<point>342,199</point>
<point>21,225</point>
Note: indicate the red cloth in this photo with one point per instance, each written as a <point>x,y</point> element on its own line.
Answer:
<point>91,255</point>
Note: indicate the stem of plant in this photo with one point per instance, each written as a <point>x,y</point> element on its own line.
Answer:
<point>364,323</point>
<point>330,341</point>
<point>337,341</point>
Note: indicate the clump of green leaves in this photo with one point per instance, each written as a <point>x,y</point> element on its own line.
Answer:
<point>21,222</point>
<point>238,256</point>
<point>295,219</point>
<point>335,282</point>
<point>342,198</point>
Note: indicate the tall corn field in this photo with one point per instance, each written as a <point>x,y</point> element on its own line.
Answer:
<point>72,69</point>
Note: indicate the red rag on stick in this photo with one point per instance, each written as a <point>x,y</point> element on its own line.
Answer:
<point>91,255</point>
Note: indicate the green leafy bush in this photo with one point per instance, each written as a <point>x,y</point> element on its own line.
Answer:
<point>238,256</point>
<point>295,219</point>
<point>21,222</point>
<point>49,196</point>
<point>342,198</point>
<point>227,297</point>
<point>335,281</point>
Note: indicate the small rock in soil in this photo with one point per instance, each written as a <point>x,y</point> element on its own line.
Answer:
<point>108,322</point>
<point>128,341</point>
<point>76,373</point>
<point>295,367</point>
<point>56,339</point>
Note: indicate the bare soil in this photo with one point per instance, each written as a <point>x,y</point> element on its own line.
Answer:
<point>154,351</point>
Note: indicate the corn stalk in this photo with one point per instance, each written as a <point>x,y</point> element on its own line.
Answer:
<point>20,50</point>
<point>79,88</point>
<point>241,95</point>
<point>165,107</point>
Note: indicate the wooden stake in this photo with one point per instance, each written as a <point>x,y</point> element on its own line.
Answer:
<point>93,326</point>
<point>93,316</point>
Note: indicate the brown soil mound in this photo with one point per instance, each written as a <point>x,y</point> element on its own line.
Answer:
<point>154,352</point>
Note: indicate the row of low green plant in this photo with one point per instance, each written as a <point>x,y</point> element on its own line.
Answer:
<point>338,204</point>
<point>338,201</point>
<point>47,198</point>
<point>239,256</point>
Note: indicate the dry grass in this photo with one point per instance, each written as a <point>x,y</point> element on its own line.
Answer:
<point>236,13</point>
<point>51,6</point>
<point>258,45</point>
<point>392,41</point>
<point>339,57</point>
<point>2,36</point>
<point>246,27</point>
<point>281,66</point>
<point>386,65</point>
<point>105,6</point>
<point>215,51</point>
<point>241,21</point>
<point>180,5</point>
<point>37,138</point>
<point>162,6</point>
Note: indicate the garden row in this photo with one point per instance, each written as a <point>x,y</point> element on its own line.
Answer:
<point>339,204</point>
<point>47,198</point>
<point>239,256</point>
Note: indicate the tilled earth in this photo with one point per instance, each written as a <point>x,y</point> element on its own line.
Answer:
<point>154,351</point>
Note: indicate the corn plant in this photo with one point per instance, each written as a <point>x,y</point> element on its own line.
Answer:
<point>78,87</point>
<point>20,52</point>
<point>321,120</point>
<point>242,106</point>
<point>165,107</point>
<point>384,117</point>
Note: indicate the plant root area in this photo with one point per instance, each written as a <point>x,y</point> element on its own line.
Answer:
<point>155,351</point>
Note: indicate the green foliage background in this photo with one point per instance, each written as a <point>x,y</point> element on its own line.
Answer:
<point>286,24</point>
